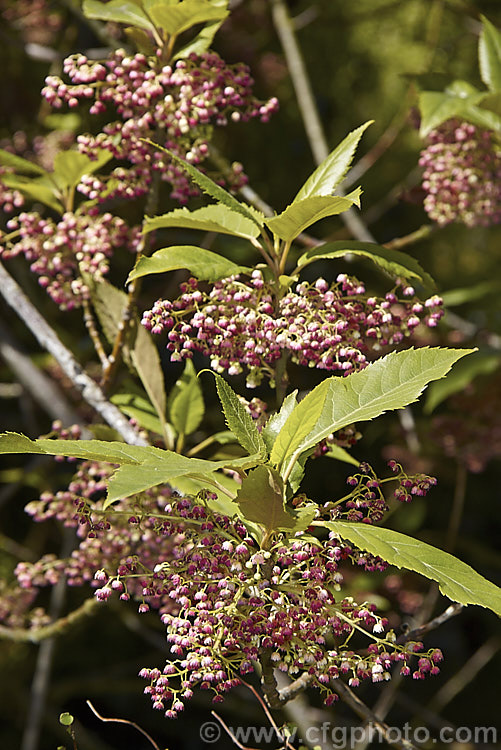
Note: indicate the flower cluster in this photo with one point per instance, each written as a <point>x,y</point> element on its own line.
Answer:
<point>60,252</point>
<point>175,105</point>
<point>462,171</point>
<point>238,604</point>
<point>241,323</point>
<point>367,503</point>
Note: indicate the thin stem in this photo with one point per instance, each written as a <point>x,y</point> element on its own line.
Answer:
<point>49,340</point>
<point>230,733</point>
<point>90,324</point>
<point>124,721</point>
<point>58,627</point>
<point>409,239</point>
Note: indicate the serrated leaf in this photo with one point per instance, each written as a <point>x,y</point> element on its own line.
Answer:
<point>92,450</point>
<point>41,189</point>
<point>489,55</point>
<point>203,264</point>
<point>390,383</point>
<point>166,469</point>
<point>332,170</point>
<point>261,500</point>
<point>139,409</point>
<point>213,218</point>
<point>340,454</point>
<point>178,18</point>
<point>393,262</point>
<point>482,363</point>
<point>186,406</point>
<point>119,11</point>
<point>301,214</point>
<point>456,580</point>
<point>276,421</point>
<point>239,420</point>
<point>438,107</point>
<point>71,166</point>
<point>19,164</point>
<point>211,188</point>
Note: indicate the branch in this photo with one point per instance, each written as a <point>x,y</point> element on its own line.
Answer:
<point>49,340</point>
<point>365,713</point>
<point>124,721</point>
<point>58,627</point>
<point>415,634</point>
<point>268,678</point>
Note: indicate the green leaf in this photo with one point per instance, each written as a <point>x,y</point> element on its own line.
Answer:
<point>139,351</point>
<point>66,719</point>
<point>489,55</point>
<point>19,164</point>
<point>482,363</point>
<point>276,421</point>
<point>166,469</point>
<point>204,38</point>
<point>186,406</point>
<point>239,420</point>
<point>261,500</point>
<point>211,188</point>
<point>391,382</point>
<point>301,214</point>
<point>178,18</point>
<point>41,189</point>
<point>140,409</point>
<point>393,262</point>
<point>213,218</point>
<point>332,170</point>
<point>71,166</point>
<point>92,450</point>
<point>438,107</point>
<point>203,264</point>
<point>129,12</point>
<point>456,580</point>
<point>340,454</point>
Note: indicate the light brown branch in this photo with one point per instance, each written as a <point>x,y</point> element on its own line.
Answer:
<point>58,627</point>
<point>124,721</point>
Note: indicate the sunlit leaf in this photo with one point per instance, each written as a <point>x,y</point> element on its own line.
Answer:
<point>186,404</point>
<point>301,214</point>
<point>203,264</point>
<point>456,580</point>
<point>174,19</point>
<point>19,164</point>
<point>489,55</point>
<point>213,218</point>
<point>238,419</point>
<point>129,12</point>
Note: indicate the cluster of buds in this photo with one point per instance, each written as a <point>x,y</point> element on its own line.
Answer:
<point>367,502</point>
<point>331,327</point>
<point>174,105</point>
<point>61,252</point>
<point>462,175</point>
<point>238,604</point>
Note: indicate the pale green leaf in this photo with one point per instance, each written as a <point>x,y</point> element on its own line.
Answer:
<point>71,166</point>
<point>276,421</point>
<point>129,12</point>
<point>301,214</point>
<point>211,188</point>
<point>331,171</point>
<point>438,107</point>
<point>186,406</point>
<point>340,454</point>
<point>213,218</point>
<point>178,18</point>
<point>489,55</point>
<point>394,262</point>
<point>19,164</point>
<point>92,450</point>
<point>391,382</point>
<point>261,500</point>
<point>41,189</point>
<point>456,580</point>
<point>461,296</point>
<point>204,38</point>
<point>239,420</point>
<point>203,264</point>
<point>463,373</point>
<point>140,409</point>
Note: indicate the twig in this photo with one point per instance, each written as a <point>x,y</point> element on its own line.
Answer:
<point>291,691</point>
<point>230,733</point>
<point>268,714</point>
<point>58,627</point>
<point>49,340</point>
<point>365,713</point>
<point>409,239</point>
<point>90,324</point>
<point>451,611</point>
<point>307,105</point>
<point>39,386</point>
<point>124,721</point>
